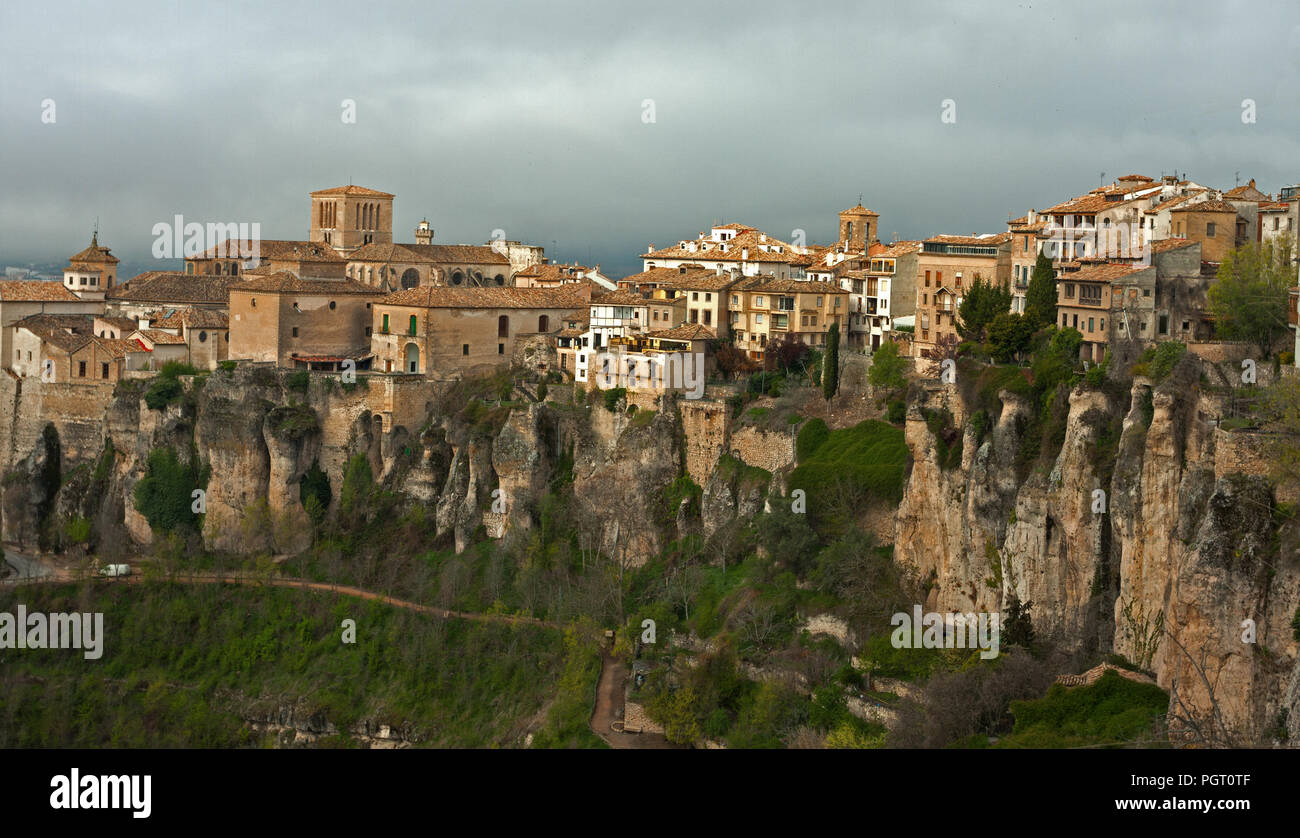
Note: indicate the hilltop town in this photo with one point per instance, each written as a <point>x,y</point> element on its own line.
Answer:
<point>723,476</point>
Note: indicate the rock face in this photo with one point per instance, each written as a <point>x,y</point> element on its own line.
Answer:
<point>1144,552</point>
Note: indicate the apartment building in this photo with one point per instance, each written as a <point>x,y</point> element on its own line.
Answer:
<point>764,309</point>
<point>946,266</point>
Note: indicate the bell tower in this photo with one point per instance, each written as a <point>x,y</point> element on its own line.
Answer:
<point>859,229</point>
<point>349,217</point>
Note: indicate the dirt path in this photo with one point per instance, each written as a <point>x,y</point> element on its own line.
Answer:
<point>609,709</point>
<point>613,674</point>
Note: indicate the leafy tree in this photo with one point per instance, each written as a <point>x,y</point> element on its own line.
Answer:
<point>831,363</point>
<point>1018,628</point>
<point>981,303</point>
<point>1040,297</point>
<point>733,361</point>
<point>1011,335</point>
<point>358,480</point>
<point>887,368</point>
<point>789,353</point>
<point>1249,298</point>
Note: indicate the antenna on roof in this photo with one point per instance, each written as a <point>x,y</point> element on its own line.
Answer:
<point>1236,178</point>
<point>1101,178</point>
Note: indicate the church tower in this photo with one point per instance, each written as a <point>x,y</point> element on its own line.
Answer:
<point>423,233</point>
<point>859,229</point>
<point>92,272</point>
<point>350,217</point>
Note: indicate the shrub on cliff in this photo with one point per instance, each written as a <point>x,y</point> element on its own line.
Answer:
<point>164,496</point>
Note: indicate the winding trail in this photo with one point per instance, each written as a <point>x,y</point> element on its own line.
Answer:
<point>613,674</point>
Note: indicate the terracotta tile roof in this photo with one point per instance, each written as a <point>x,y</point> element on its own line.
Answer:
<point>571,333</point>
<point>696,279</point>
<point>860,210</point>
<point>384,252</point>
<point>39,324</point>
<point>1106,272</point>
<point>118,322</point>
<point>353,190</point>
<point>991,239</point>
<point>1170,244</point>
<point>1273,206</point>
<point>554,273</point>
<point>1208,206</point>
<point>453,254</point>
<point>94,253</point>
<point>895,250</point>
<point>746,239</point>
<point>618,298</point>
<point>171,287</point>
<point>278,249</point>
<point>1175,201</point>
<point>283,282</point>
<point>435,296</point>
<point>119,347</point>
<point>686,331</point>
<point>193,318</point>
<point>35,290</point>
<point>1135,178</point>
<point>158,336</point>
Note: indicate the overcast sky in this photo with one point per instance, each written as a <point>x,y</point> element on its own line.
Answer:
<point>529,117</point>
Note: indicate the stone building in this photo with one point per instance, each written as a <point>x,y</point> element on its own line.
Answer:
<point>439,330</point>
<point>737,247</point>
<point>92,272</point>
<point>21,298</point>
<point>146,294</point>
<point>301,323</point>
<point>63,348</point>
<point>764,309</point>
<point>1213,224</point>
<point>349,217</point>
<point>204,333</point>
<point>946,267</point>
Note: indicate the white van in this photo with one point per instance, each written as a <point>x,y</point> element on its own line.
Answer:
<point>115,570</point>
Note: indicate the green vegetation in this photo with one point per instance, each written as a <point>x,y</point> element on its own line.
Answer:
<point>948,438</point>
<point>166,388</point>
<point>298,380</point>
<point>980,306</point>
<point>1156,362</point>
<point>1249,297</point>
<point>1114,711</point>
<point>843,471</point>
<point>183,663</point>
<point>314,492</point>
<point>831,363</point>
<point>613,397</point>
<point>293,421</point>
<point>1040,297</point>
<point>164,496</point>
<point>888,369</point>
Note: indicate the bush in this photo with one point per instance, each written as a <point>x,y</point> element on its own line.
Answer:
<point>613,397</point>
<point>298,380</point>
<point>164,496</point>
<point>1114,710</point>
<point>811,436</point>
<point>897,412</point>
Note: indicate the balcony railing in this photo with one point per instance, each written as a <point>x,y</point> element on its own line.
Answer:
<point>1090,301</point>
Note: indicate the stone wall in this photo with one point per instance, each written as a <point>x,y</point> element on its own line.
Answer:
<point>770,450</point>
<point>76,410</point>
<point>1249,452</point>
<point>704,422</point>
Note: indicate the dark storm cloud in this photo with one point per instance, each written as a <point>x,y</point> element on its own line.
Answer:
<point>527,117</point>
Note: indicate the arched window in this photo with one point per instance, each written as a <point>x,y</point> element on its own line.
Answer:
<point>500,280</point>
<point>457,277</point>
<point>544,323</point>
<point>412,357</point>
<point>503,326</point>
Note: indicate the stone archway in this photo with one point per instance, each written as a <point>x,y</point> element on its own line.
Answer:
<point>410,278</point>
<point>412,359</point>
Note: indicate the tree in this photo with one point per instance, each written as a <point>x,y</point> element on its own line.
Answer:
<point>1249,298</point>
<point>831,362</point>
<point>944,349</point>
<point>790,353</point>
<point>733,361</point>
<point>888,368</point>
<point>981,303</point>
<point>1040,298</point>
<point>1011,335</point>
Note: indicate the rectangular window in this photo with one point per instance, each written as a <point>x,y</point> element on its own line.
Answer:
<point>708,317</point>
<point>1091,323</point>
<point>103,368</point>
<point>1069,290</point>
<point>501,349</point>
<point>758,318</point>
<point>1209,229</point>
<point>384,329</point>
<point>927,279</point>
<point>81,369</point>
<point>1065,320</point>
<point>295,331</point>
<point>412,324</point>
<point>464,349</point>
<point>1163,320</point>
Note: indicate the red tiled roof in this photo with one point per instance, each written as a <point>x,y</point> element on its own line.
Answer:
<point>353,190</point>
<point>35,290</point>
<point>435,296</point>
